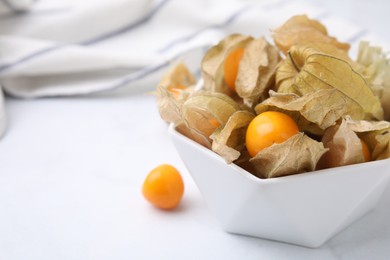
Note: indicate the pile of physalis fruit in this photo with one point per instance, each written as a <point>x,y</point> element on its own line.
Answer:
<point>339,104</point>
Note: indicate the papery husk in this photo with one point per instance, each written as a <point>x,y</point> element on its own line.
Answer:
<point>377,73</point>
<point>244,163</point>
<point>205,111</point>
<point>169,103</point>
<point>344,146</point>
<point>307,70</point>
<point>177,75</point>
<point>229,140</point>
<point>301,30</point>
<point>212,65</point>
<point>376,134</point>
<point>335,52</point>
<point>201,139</point>
<point>379,143</point>
<point>361,126</point>
<point>297,154</point>
<point>313,112</point>
<point>256,73</point>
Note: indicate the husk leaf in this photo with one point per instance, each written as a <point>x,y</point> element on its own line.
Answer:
<point>256,73</point>
<point>313,112</point>
<point>297,154</point>
<point>379,143</point>
<point>376,134</point>
<point>205,111</point>
<point>307,70</point>
<point>213,62</point>
<point>301,30</point>
<point>361,126</point>
<point>201,139</point>
<point>178,75</point>
<point>229,140</point>
<point>168,102</point>
<point>344,147</point>
<point>377,73</point>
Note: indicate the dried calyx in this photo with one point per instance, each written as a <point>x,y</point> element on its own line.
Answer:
<point>338,103</point>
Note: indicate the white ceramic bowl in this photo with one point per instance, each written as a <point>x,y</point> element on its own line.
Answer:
<point>304,209</point>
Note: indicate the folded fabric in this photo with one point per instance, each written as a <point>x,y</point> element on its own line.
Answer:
<point>15,6</point>
<point>76,47</point>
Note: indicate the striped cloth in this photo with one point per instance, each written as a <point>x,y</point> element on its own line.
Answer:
<point>76,47</point>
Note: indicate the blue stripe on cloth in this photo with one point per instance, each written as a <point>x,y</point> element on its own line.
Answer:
<point>138,75</point>
<point>189,37</point>
<point>357,36</point>
<point>153,68</point>
<point>125,29</point>
<point>129,27</point>
<point>227,22</point>
<point>9,5</point>
<point>51,11</point>
<point>12,7</point>
<point>31,56</point>
<point>141,74</point>
<point>275,5</point>
<point>149,70</point>
<point>121,82</point>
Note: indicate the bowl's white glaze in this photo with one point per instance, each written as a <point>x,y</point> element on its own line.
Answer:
<point>304,209</point>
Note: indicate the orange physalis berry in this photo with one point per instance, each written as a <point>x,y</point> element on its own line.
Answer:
<point>366,151</point>
<point>230,68</point>
<point>163,187</point>
<point>268,128</point>
<point>175,90</point>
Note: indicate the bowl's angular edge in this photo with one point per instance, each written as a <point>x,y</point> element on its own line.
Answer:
<point>174,133</point>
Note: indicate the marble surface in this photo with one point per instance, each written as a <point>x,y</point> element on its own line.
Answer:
<point>71,171</point>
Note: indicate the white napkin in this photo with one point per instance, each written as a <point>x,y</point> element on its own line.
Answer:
<point>74,47</point>
<point>15,6</point>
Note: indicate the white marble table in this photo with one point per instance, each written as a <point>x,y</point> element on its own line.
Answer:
<point>71,171</point>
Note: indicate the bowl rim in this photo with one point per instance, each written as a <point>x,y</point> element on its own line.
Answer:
<point>174,133</point>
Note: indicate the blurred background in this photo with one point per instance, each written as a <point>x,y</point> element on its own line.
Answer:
<point>371,15</point>
<point>81,129</point>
